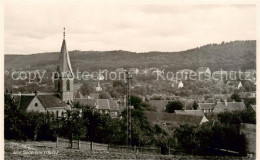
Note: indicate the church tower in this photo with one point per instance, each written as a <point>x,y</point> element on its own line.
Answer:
<point>64,76</point>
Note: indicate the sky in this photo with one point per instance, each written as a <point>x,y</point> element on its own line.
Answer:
<point>139,27</point>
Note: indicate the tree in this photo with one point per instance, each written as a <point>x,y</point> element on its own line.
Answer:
<point>174,105</point>
<point>135,101</point>
<point>236,97</point>
<point>195,105</point>
<point>186,136</point>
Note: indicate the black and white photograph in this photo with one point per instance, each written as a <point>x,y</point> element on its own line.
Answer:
<point>129,79</point>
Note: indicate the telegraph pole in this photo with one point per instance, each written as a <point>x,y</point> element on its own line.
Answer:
<point>128,105</point>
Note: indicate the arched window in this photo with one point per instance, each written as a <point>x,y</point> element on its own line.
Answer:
<point>68,85</point>
<point>58,85</point>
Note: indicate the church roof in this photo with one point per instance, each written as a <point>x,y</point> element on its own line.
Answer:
<point>47,100</point>
<point>24,101</point>
<point>51,101</point>
<point>64,67</point>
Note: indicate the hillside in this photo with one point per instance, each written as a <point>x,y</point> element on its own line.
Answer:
<point>228,56</point>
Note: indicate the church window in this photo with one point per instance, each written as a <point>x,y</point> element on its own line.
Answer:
<point>58,85</point>
<point>68,85</point>
<point>36,104</point>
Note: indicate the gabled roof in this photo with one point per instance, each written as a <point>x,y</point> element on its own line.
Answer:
<point>51,101</point>
<point>64,67</point>
<point>229,107</point>
<point>47,100</point>
<point>78,95</point>
<point>190,112</point>
<point>233,83</point>
<point>86,102</point>
<point>93,96</point>
<point>206,105</point>
<point>113,105</point>
<point>210,100</point>
<point>24,101</point>
<point>159,104</point>
<point>202,69</point>
<point>103,104</point>
<point>175,119</point>
<point>253,107</point>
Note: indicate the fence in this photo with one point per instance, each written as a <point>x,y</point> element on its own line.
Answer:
<point>84,145</point>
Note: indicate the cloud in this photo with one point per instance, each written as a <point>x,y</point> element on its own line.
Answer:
<point>140,27</point>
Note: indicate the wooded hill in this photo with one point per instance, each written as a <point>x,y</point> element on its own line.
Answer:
<point>228,56</point>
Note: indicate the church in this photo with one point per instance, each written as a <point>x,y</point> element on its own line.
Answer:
<point>54,103</point>
<point>62,100</point>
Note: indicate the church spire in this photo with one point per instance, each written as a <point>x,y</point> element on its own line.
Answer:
<point>64,67</point>
<point>64,78</point>
<point>64,33</point>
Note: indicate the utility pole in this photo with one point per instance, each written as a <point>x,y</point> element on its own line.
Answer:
<point>128,105</point>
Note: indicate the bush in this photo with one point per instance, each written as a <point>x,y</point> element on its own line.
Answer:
<point>174,105</point>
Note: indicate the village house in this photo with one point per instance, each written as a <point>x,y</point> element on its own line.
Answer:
<point>41,102</point>
<point>253,107</point>
<point>229,107</point>
<point>206,107</point>
<point>190,112</point>
<point>169,121</point>
<point>103,106</point>
<point>235,84</point>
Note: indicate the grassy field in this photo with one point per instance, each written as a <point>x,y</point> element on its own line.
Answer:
<point>47,150</point>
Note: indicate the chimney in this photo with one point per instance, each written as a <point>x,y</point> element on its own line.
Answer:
<point>36,93</point>
<point>233,101</point>
<point>225,102</point>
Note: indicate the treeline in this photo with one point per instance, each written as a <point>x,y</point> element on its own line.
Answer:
<point>88,125</point>
<point>95,127</point>
<point>216,56</point>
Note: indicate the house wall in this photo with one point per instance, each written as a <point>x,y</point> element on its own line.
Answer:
<point>55,110</point>
<point>204,119</point>
<point>36,108</point>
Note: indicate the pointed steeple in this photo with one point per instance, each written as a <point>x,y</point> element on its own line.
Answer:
<point>64,67</point>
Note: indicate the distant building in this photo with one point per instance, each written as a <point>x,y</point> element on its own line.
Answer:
<point>172,120</point>
<point>103,106</point>
<point>253,107</point>
<point>180,84</point>
<point>206,107</point>
<point>229,107</point>
<point>236,84</point>
<point>44,103</point>
<point>98,87</point>
<point>190,112</point>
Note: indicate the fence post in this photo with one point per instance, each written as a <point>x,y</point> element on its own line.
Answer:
<point>57,139</point>
<point>169,152</point>
<point>78,144</point>
<point>161,150</point>
<point>134,148</point>
<point>91,146</point>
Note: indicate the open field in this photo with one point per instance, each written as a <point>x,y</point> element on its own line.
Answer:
<point>47,150</point>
